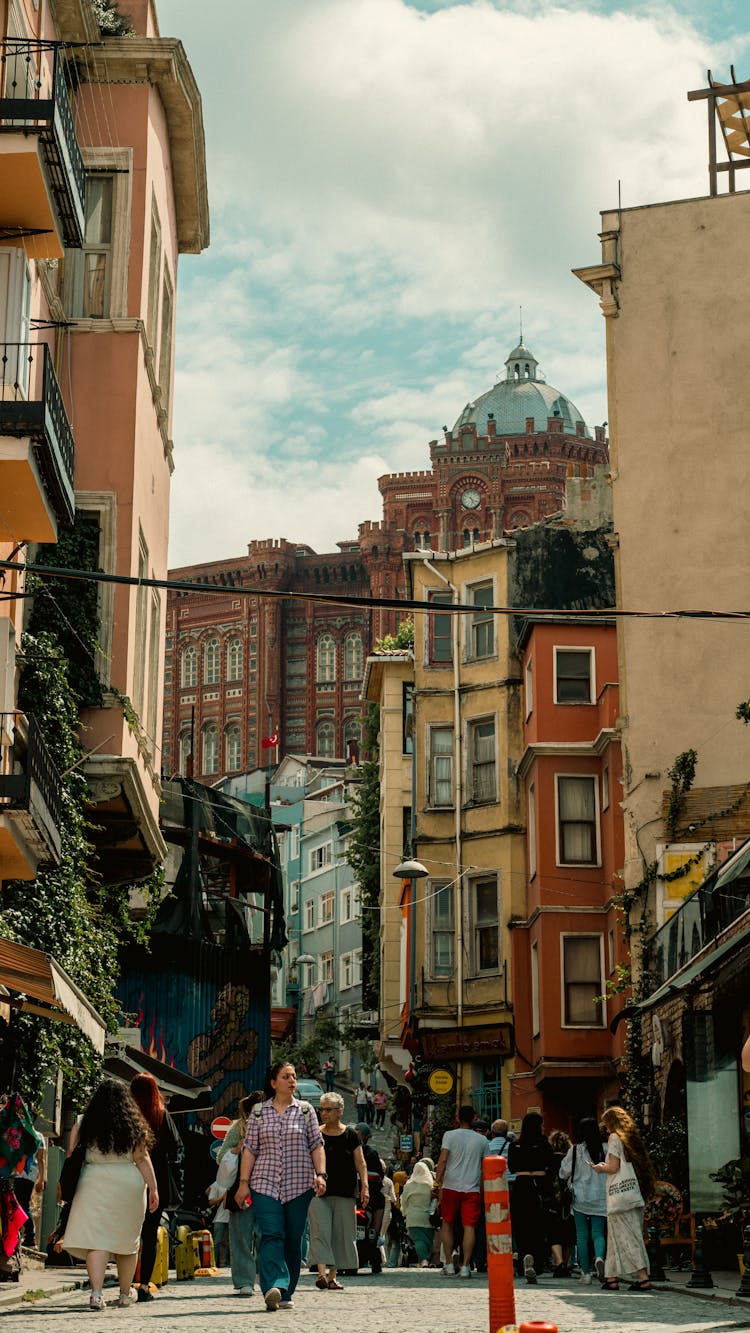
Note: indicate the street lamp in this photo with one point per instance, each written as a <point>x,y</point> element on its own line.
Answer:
<point>302,960</point>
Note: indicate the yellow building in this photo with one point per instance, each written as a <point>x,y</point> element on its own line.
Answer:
<point>450,729</point>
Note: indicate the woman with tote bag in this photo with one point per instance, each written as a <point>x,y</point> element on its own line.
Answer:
<point>630,1184</point>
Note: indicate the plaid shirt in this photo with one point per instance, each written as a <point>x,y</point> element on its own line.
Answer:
<point>281,1145</point>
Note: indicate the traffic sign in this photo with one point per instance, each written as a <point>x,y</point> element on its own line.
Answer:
<point>215,1149</point>
<point>219,1126</point>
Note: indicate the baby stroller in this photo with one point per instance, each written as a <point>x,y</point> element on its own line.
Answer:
<point>399,1236</point>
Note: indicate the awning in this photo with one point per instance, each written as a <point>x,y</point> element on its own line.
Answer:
<point>31,973</point>
<point>180,1091</point>
<point>282,1022</point>
<point>708,962</point>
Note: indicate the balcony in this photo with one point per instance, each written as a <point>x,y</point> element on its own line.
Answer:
<point>30,800</point>
<point>42,176</point>
<point>721,899</point>
<point>37,453</point>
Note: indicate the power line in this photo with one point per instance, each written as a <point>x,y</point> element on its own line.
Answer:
<point>389,603</point>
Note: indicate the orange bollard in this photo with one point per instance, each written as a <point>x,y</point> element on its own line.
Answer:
<point>499,1243</point>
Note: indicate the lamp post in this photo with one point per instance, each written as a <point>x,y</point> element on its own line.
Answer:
<point>411,870</point>
<point>303,960</point>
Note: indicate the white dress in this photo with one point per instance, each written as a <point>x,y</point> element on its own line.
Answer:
<point>108,1207</point>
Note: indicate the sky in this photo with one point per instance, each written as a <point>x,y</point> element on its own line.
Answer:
<point>390,182</point>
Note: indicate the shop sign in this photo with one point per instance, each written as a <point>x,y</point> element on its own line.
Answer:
<point>468,1043</point>
<point>441,1082</point>
<point>407,1142</point>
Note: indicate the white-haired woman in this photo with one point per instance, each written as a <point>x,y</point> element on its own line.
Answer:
<point>332,1220</point>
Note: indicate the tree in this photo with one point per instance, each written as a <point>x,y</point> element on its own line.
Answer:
<point>363,855</point>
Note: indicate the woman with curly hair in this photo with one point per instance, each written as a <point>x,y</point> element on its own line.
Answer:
<point>110,1199</point>
<point>631,1185</point>
<point>167,1158</point>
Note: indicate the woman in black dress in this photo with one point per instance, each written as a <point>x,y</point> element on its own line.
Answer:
<point>530,1159</point>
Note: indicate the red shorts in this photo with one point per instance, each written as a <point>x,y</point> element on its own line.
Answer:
<point>455,1202</point>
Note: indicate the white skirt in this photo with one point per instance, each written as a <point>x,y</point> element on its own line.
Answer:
<point>626,1252</point>
<point>108,1207</point>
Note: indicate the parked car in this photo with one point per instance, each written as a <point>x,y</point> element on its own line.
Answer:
<point>309,1090</point>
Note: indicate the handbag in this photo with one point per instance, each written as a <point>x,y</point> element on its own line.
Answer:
<point>71,1171</point>
<point>623,1190</point>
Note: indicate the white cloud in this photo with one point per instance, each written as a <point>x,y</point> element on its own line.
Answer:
<point>387,187</point>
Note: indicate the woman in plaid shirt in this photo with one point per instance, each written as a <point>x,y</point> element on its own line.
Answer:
<point>284,1157</point>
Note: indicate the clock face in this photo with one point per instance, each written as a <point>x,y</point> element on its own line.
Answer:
<point>471,499</point>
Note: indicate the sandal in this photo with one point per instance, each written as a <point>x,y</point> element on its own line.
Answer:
<point>321,1283</point>
<point>333,1285</point>
<point>96,1301</point>
<point>644,1285</point>
<point>611,1284</point>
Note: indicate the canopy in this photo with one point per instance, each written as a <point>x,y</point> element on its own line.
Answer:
<point>31,973</point>
<point>180,1091</point>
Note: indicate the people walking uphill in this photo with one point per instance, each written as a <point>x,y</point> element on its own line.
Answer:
<point>589,1192</point>
<point>107,1210</point>
<point>531,1160</point>
<point>360,1101</point>
<point>167,1157</point>
<point>243,1223</point>
<point>370,1107</point>
<point>332,1216</point>
<point>630,1185</point>
<point>380,1101</point>
<point>416,1200</point>
<point>459,1176</point>
<point>284,1158</point>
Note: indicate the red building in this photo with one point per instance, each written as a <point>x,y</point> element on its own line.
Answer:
<point>569,944</point>
<point>239,667</point>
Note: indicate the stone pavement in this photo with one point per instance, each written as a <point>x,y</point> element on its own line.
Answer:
<point>401,1301</point>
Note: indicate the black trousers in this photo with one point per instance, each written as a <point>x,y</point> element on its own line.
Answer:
<point>148,1242</point>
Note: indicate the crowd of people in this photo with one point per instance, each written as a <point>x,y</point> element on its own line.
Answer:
<point>294,1189</point>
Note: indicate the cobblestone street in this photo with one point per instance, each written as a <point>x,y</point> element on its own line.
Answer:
<point>411,1301</point>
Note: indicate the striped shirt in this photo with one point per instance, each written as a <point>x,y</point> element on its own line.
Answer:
<point>281,1145</point>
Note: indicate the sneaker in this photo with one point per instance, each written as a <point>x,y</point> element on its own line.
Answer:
<point>586,1279</point>
<point>273,1298</point>
<point>449,1270</point>
<point>96,1301</point>
<point>286,1305</point>
<point>529,1270</point>
<point>245,1291</point>
<point>599,1269</point>
<point>465,1271</point>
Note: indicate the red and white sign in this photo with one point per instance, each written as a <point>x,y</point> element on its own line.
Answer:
<point>219,1126</point>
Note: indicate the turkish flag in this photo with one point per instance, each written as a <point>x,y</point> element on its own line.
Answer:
<point>270,742</point>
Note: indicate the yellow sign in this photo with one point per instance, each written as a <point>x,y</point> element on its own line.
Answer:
<point>441,1081</point>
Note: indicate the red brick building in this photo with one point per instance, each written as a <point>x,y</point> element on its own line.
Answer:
<point>238,666</point>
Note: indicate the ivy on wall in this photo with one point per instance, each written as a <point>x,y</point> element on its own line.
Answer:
<point>363,855</point>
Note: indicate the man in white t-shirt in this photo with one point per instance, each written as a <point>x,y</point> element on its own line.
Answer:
<point>459,1176</point>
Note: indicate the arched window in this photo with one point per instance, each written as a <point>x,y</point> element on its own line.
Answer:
<point>353,657</point>
<point>233,748</point>
<point>520,520</point>
<point>212,663</point>
<point>189,666</point>
<point>352,736</point>
<point>326,673</point>
<point>210,748</point>
<point>324,740</point>
<point>234,659</point>
<point>185,751</point>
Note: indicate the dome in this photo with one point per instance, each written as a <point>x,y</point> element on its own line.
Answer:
<point>522,394</point>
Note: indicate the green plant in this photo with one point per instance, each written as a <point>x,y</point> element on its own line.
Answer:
<point>734,1178</point>
<point>403,638</point>
<point>363,855</point>
<point>667,1146</point>
<point>682,776</point>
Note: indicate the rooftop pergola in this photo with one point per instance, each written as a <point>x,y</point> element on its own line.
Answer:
<point>729,103</point>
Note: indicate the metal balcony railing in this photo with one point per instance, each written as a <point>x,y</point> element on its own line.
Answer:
<point>28,773</point>
<point>31,404</point>
<point>721,899</point>
<point>35,101</point>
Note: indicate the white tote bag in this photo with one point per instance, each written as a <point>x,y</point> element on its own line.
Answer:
<point>623,1190</point>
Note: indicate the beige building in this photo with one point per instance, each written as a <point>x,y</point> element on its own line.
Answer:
<point>451,725</point>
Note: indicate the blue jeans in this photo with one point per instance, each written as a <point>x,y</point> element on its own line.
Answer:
<point>281,1227</point>
<point>591,1232</point>
<point>242,1245</point>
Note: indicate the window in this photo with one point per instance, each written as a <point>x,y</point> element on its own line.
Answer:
<point>186,749</point>
<point>308,912</point>
<point>141,622</point>
<point>325,906</point>
<point>529,687</point>
<point>154,270</point>
<point>325,968</point>
<point>153,663</point>
<point>320,857</point>
<point>294,896</point>
<point>353,657</point>
<point>482,779</point>
<point>486,923</point>
<point>346,971</point>
<point>407,714</point>
<point>574,676</point>
<point>210,748</point>
<point>324,740</point>
<point>234,659</point>
<point>442,929</point>
<point>357,966</point>
<point>352,738</point>
<point>605,787</point>
<point>535,989</point>
<point>88,271</point>
<point>233,745</point>
<point>576,821</point>
<point>326,674</point>
<point>481,627</point>
<point>531,832</point>
<point>441,766</point>
<point>294,843</point>
<point>583,981</point>
<point>189,667</point>
<point>165,347</point>
<point>15,313</point>
<point>212,663</point>
<point>349,904</point>
<point>441,632</point>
